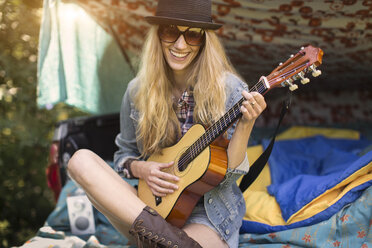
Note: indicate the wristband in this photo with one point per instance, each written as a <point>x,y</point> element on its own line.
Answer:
<point>127,167</point>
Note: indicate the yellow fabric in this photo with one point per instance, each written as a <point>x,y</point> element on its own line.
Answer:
<point>263,208</point>
<point>299,132</point>
<point>331,196</point>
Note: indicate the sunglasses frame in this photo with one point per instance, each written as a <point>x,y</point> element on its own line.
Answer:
<point>181,33</point>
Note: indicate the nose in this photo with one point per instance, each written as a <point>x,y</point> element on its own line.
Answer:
<point>180,43</point>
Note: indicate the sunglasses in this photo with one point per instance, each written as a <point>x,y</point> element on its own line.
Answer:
<point>171,33</point>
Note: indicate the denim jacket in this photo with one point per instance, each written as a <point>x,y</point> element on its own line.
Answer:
<point>225,205</point>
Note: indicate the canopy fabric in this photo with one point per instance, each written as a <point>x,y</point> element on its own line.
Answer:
<point>79,62</point>
<point>89,50</point>
<point>260,34</point>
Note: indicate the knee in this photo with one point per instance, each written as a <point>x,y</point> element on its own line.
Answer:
<point>79,163</point>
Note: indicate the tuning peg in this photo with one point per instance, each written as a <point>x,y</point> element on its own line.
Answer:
<point>316,72</point>
<point>292,86</point>
<point>304,80</point>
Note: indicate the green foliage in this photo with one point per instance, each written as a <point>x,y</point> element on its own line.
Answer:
<point>25,130</point>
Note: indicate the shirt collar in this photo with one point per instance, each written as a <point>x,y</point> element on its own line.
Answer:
<point>187,96</point>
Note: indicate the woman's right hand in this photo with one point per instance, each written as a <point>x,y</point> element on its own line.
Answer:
<point>159,182</point>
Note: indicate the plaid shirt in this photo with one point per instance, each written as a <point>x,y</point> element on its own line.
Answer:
<point>184,109</point>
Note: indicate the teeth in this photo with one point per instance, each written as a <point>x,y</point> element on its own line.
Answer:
<point>178,55</point>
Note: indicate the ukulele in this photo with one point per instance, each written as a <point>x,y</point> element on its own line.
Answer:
<point>200,157</point>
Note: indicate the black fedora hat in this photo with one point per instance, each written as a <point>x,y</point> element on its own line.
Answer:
<point>191,13</point>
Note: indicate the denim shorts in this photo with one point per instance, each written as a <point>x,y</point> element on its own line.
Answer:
<point>199,216</point>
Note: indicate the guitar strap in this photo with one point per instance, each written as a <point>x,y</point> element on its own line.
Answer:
<point>256,168</point>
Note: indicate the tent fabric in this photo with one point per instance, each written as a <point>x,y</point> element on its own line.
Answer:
<point>307,180</point>
<point>79,62</point>
<point>259,34</point>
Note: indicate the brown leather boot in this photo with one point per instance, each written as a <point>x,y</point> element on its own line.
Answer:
<point>151,230</point>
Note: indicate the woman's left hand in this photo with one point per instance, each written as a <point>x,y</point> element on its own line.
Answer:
<point>253,106</point>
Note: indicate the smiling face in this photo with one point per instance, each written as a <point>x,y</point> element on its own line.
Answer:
<point>179,54</point>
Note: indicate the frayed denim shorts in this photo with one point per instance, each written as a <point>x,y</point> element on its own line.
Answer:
<point>199,216</point>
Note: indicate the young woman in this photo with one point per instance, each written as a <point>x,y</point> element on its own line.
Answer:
<point>184,78</point>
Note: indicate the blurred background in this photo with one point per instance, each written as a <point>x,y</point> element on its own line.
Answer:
<point>25,130</point>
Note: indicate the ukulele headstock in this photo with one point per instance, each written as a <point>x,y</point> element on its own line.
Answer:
<point>305,61</point>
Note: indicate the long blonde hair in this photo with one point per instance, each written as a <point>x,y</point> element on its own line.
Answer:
<point>158,126</point>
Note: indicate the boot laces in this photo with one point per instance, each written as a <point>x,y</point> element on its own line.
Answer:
<point>146,239</point>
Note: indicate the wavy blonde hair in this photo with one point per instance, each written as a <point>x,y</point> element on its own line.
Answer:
<point>158,126</point>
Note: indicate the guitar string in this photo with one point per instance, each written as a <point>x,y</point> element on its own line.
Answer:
<point>260,87</point>
<point>195,148</point>
<point>290,72</point>
<point>198,145</point>
<point>209,135</point>
<point>212,132</point>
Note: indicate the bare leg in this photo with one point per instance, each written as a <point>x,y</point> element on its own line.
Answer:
<point>122,228</point>
<point>109,193</point>
<point>205,236</point>
<point>118,200</point>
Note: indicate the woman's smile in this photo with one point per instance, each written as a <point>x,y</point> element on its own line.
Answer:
<point>179,54</point>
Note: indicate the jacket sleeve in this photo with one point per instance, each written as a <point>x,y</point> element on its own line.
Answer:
<point>126,139</point>
<point>234,88</point>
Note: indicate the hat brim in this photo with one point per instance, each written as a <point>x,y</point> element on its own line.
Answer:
<point>182,22</point>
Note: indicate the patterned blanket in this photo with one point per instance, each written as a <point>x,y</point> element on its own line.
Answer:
<point>350,227</point>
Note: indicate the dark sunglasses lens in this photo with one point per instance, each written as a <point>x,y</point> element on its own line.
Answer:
<point>169,33</point>
<point>194,36</point>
